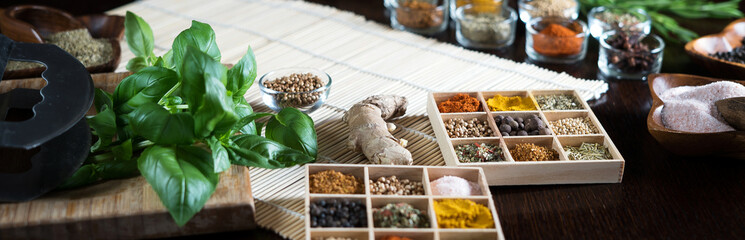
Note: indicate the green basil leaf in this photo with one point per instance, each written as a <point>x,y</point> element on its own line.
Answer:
<point>200,36</point>
<point>122,166</point>
<point>157,124</point>
<point>203,88</point>
<point>101,98</point>
<point>146,86</point>
<point>139,36</point>
<point>294,129</point>
<point>242,76</point>
<point>182,176</point>
<point>257,151</point>
<point>136,64</point>
<point>219,155</point>
<point>247,124</point>
<point>104,126</point>
<point>83,176</point>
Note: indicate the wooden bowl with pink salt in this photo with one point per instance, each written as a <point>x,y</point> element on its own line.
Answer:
<point>690,128</point>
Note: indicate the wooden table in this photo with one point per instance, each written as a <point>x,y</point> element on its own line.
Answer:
<point>662,195</point>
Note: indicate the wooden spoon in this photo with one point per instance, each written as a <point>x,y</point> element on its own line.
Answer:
<point>733,111</point>
<point>31,23</point>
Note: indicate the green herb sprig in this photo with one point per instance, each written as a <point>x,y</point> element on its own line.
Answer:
<point>661,12</point>
<point>181,119</point>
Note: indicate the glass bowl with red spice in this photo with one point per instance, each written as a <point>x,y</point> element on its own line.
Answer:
<point>426,17</point>
<point>556,40</point>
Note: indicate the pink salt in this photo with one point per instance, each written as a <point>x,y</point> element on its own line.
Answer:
<point>454,186</point>
<point>692,109</point>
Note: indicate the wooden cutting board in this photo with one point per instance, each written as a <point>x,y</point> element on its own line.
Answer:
<point>121,209</point>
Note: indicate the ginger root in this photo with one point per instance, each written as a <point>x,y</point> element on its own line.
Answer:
<point>369,133</point>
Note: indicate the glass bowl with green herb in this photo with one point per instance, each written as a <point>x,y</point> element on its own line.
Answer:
<point>603,19</point>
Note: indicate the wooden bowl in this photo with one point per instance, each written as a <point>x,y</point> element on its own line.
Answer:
<point>30,23</point>
<point>726,144</point>
<point>700,48</point>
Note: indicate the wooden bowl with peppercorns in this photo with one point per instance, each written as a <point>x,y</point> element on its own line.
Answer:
<point>730,38</point>
<point>727,144</point>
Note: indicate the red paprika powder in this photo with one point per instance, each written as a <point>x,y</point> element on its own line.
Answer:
<point>557,40</point>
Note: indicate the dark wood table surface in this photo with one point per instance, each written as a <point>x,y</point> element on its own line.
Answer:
<point>662,196</point>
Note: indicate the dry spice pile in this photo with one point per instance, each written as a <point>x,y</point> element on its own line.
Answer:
<point>516,103</point>
<point>533,153</point>
<point>79,43</point>
<point>461,102</point>
<point>399,215</point>
<point>462,213</point>
<point>393,186</point>
<point>296,90</point>
<point>573,126</point>
<point>419,14</point>
<point>394,238</point>
<point>334,182</point>
<point>557,40</point>
<point>459,128</point>
<point>558,102</point>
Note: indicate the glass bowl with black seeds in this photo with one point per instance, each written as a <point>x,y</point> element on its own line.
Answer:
<point>303,88</point>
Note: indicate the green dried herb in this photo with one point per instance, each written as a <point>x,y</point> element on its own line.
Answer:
<point>399,215</point>
<point>479,152</point>
<point>79,43</point>
<point>588,151</point>
<point>558,102</point>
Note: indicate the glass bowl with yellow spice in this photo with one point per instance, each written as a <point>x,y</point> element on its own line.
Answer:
<point>556,40</point>
<point>426,17</point>
<point>479,6</point>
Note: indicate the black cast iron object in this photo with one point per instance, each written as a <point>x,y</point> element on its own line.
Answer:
<point>57,127</point>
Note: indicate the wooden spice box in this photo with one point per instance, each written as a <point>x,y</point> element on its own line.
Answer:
<point>511,172</point>
<point>421,202</point>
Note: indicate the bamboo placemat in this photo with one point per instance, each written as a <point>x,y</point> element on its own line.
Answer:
<point>363,58</point>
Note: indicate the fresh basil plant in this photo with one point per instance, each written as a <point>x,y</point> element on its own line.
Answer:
<point>181,119</point>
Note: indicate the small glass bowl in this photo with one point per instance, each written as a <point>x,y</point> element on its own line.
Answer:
<point>598,26</point>
<point>528,10</point>
<point>499,31</point>
<point>306,102</point>
<point>481,6</point>
<point>613,63</point>
<point>544,48</point>
<point>426,17</point>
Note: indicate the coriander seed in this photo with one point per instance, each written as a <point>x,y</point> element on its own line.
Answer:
<point>573,126</point>
<point>296,90</point>
<point>459,128</point>
<point>393,186</point>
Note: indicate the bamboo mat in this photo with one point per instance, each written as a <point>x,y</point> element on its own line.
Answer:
<point>363,58</point>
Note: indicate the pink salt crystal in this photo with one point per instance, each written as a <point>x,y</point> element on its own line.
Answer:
<point>692,109</point>
<point>691,116</point>
<point>454,186</point>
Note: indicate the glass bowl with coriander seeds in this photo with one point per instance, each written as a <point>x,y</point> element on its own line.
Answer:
<point>530,9</point>
<point>480,6</point>
<point>632,56</point>
<point>603,19</point>
<point>303,88</point>
<point>479,28</point>
<point>426,17</point>
<point>556,40</point>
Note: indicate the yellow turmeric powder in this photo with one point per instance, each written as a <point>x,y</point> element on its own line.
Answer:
<point>462,213</point>
<point>516,103</point>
